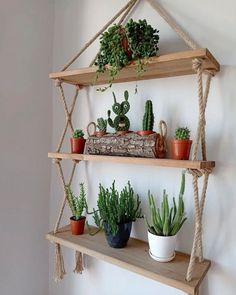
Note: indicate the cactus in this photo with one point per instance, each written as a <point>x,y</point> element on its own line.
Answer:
<point>115,208</point>
<point>167,221</point>
<point>78,133</point>
<point>148,117</point>
<point>182,133</point>
<point>121,122</point>
<point>77,204</point>
<point>102,124</point>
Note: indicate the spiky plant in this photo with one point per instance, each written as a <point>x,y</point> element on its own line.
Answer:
<point>102,124</point>
<point>166,221</point>
<point>78,133</point>
<point>148,117</point>
<point>77,204</point>
<point>115,208</point>
<point>182,133</point>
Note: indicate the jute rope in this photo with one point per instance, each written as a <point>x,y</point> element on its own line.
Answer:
<point>172,23</point>
<point>97,35</point>
<point>67,112</point>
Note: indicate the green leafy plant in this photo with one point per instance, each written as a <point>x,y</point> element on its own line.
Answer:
<point>78,133</point>
<point>118,45</point>
<point>182,133</point>
<point>115,208</point>
<point>121,121</point>
<point>148,118</point>
<point>166,221</point>
<point>102,124</point>
<point>77,204</point>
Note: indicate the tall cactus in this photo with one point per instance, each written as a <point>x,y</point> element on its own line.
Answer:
<point>148,117</point>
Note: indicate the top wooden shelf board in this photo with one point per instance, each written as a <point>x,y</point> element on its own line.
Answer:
<point>168,65</point>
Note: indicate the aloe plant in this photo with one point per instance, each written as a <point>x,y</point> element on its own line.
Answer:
<point>166,221</point>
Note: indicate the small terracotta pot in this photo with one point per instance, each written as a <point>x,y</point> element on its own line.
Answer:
<point>77,226</point>
<point>125,45</point>
<point>77,145</point>
<point>100,133</point>
<point>122,132</point>
<point>145,132</point>
<point>180,149</point>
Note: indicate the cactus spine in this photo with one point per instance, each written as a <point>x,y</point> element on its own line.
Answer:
<point>148,117</point>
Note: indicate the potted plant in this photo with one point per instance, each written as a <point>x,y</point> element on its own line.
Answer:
<point>165,224</point>
<point>148,120</point>
<point>77,142</point>
<point>119,45</point>
<point>181,144</point>
<point>77,206</point>
<point>121,122</point>
<point>102,127</point>
<point>116,212</point>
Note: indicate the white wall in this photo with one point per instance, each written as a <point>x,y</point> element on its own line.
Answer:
<point>25,128</point>
<point>175,100</point>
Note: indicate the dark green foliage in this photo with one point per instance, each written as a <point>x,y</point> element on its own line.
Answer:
<point>77,204</point>
<point>142,42</point>
<point>102,124</point>
<point>182,133</point>
<point>148,118</point>
<point>166,221</point>
<point>78,133</point>
<point>121,122</point>
<point>115,208</point>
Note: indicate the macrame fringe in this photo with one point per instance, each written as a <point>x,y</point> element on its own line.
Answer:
<point>59,271</point>
<point>78,263</point>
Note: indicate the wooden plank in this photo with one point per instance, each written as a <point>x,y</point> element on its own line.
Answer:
<point>135,258</point>
<point>139,161</point>
<point>168,65</point>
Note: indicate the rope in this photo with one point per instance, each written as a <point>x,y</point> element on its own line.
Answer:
<point>131,6</point>
<point>97,35</point>
<point>67,112</point>
<point>179,31</point>
<point>78,262</point>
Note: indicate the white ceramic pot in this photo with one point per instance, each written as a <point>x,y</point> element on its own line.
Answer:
<point>162,248</point>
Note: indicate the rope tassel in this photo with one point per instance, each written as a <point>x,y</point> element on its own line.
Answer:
<point>78,262</point>
<point>59,271</point>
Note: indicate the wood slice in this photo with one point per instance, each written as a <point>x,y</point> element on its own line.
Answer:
<point>128,145</point>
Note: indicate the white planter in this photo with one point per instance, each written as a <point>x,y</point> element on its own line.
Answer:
<point>162,248</point>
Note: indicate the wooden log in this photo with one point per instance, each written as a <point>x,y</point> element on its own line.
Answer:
<point>128,145</point>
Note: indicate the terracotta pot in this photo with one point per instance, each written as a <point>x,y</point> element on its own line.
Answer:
<point>145,132</point>
<point>122,132</point>
<point>77,145</point>
<point>125,45</point>
<point>100,133</point>
<point>180,149</point>
<point>77,226</point>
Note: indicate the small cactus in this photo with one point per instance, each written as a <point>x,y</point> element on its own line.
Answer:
<point>182,133</point>
<point>148,117</point>
<point>102,124</point>
<point>78,133</point>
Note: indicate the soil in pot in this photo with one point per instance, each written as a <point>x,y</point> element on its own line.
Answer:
<point>162,248</point>
<point>121,238</point>
<point>180,149</point>
<point>77,145</point>
<point>77,226</point>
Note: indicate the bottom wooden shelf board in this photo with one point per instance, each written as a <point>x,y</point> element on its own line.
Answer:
<point>135,257</point>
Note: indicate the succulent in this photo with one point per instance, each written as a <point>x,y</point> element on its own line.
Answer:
<point>148,117</point>
<point>182,133</point>
<point>78,133</point>
<point>166,221</point>
<point>121,122</point>
<point>102,124</point>
<point>77,204</point>
<point>115,208</point>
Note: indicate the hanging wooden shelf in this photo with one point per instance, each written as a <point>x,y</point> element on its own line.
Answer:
<point>135,258</point>
<point>168,65</point>
<point>140,161</point>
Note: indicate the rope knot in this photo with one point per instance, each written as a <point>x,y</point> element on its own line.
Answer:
<point>195,172</point>
<point>197,64</point>
<point>58,83</point>
<point>56,161</point>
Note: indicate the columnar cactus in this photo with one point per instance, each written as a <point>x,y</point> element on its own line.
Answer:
<point>102,124</point>
<point>148,118</point>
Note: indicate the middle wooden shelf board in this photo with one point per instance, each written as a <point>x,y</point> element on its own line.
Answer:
<point>134,257</point>
<point>132,160</point>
